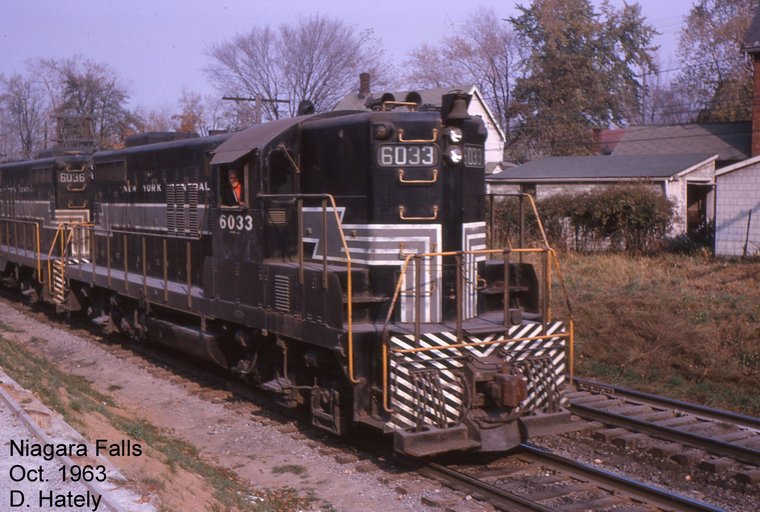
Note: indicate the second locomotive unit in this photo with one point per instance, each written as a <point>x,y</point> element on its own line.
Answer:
<point>338,261</point>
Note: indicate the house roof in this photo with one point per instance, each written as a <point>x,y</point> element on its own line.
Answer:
<point>738,166</point>
<point>731,141</point>
<point>430,97</point>
<point>603,168</point>
<point>751,42</point>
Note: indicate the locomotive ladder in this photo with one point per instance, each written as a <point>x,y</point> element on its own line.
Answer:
<point>67,241</point>
<point>58,287</point>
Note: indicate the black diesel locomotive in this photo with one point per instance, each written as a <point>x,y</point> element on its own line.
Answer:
<point>336,260</point>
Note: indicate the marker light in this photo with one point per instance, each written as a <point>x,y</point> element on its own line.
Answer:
<point>454,155</point>
<point>453,134</point>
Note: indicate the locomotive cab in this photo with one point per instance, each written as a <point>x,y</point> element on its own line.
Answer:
<point>441,341</point>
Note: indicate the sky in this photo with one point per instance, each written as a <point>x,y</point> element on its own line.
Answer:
<point>160,47</point>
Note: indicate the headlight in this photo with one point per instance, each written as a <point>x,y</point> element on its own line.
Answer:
<point>454,155</point>
<point>453,134</point>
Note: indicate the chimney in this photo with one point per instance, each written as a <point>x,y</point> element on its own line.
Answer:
<point>756,106</point>
<point>363,85</point>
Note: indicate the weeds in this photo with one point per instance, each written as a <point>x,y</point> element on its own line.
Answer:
<point>7,328</point>
<point>289,468</point>
<point>73,397</point>
<point>687,326</point>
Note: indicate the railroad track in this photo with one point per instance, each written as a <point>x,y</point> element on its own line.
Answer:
<point>572,491</point>
<point>719,433</point>
<point>535,480</point>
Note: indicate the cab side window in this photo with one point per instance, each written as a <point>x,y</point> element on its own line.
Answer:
<point>233,187</point>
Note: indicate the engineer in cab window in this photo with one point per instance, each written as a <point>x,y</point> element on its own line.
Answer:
<point>234,191</point>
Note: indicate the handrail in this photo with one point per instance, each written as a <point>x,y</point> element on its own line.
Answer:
<point>393,104</point>
<point>402,216</point>
<point>432,138</point>
<point>550,257</point>
<point>344,243</point>
<point>37,241</point>
<point>532,202</point>
<point>409,257</point>
<point>433,178</point>
<point>569,306</point>
<point>68,228</point>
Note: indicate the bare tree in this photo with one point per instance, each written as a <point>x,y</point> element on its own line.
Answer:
<point>223,115</point>
<point>24,108</point>
<point>667,104</point>
<point>315,59</point>
<point>489,51</point>
<point>88,102</point>
<point>482,51</point>
<point>430,68</point>
<point>204,115</point>
<point>715,76</point>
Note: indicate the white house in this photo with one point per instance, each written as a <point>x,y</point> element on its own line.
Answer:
<point>737,209</point>
<point>687,180</point>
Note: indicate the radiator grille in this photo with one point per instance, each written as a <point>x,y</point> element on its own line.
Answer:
<point>278,217</point>
<point>282,293</point>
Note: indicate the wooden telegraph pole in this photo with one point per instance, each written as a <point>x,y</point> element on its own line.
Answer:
<point>259,100</point>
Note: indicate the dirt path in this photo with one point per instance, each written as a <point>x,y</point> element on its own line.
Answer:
<point>158,406</point>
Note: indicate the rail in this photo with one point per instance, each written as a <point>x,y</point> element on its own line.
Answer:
<point>36,233</point>
<point>521,197</point>
<point>110,233</point>
<point>572,482</point>
<point>591,385</point>
<point>683,433</point>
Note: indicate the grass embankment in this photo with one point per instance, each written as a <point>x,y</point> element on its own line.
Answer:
<point>169,459</point>
<point>686,327</point>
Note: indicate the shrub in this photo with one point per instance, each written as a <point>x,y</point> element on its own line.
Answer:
<point>631,217</point>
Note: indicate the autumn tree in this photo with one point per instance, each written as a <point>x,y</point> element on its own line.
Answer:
<point>715,76</point>
<point>482,51</point>
<point>24,109</point>
<point>156,119</point>
<point>204,115</point>
<point>316,58</point>
<point>191,118</point>
<point>583,72</point>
